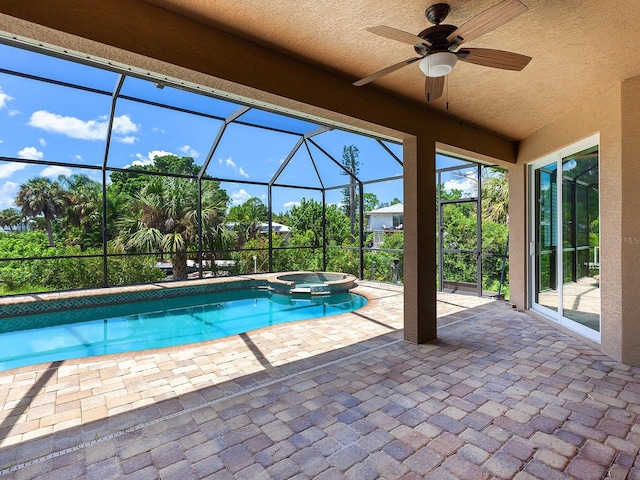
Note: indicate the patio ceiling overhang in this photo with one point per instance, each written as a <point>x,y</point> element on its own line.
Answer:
<point>579,50</point>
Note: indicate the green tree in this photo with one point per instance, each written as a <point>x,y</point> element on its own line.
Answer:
<point>134,179</point>
<point>10,218</point>
<point>247,218</point>
<point>163,218</point>
<point>395,201</point>
<point>349,198</point>
<point>40,195</point>
<point>82,217</point>
<point>495,197</point>
<point>282,217</point>
<point>371,202</point>
<point>306,220</point>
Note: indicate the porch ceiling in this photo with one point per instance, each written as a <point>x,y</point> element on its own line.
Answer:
<point>579,48</point>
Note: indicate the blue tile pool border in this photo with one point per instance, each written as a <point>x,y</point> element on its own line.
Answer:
<point>99,298</point>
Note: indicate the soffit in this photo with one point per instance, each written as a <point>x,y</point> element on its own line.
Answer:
<point>580,48</point>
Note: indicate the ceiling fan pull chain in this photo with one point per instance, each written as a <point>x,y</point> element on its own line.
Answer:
<point>447,80</point>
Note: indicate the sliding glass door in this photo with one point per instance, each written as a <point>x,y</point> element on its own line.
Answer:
<point>546,236</point>
<point>565,238</point>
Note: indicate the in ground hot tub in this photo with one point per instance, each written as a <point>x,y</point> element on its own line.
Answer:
<point>312,282</point>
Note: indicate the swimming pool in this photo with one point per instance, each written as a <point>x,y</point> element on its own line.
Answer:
<point>144,325</point>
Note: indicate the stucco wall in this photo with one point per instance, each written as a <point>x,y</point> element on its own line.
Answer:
<point>629,242</point>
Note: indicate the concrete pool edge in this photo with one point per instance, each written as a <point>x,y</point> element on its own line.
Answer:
<point>80,362</point>
<point>27,304</point>
<point>316,283</point>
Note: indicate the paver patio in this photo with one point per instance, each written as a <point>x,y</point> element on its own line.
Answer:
<point>499,395</point>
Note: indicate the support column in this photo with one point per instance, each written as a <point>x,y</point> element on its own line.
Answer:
<point>420,321</point>
<point>630,226</point>
<point>518,248</point>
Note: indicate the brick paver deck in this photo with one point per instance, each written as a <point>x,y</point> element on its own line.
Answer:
<point>499,395</point>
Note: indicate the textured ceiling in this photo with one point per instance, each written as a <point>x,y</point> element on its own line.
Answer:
<point>579,48</point>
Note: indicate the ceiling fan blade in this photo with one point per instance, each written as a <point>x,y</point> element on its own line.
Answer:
<point>493,58</point>
<point>384,71</point>
<point>488,20</point>
<point>398,35</point>
<point>433,87</point>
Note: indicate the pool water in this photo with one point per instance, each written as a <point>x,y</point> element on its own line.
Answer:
<point>136,326</point>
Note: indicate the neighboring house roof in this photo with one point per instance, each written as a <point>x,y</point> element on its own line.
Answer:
<point>277,227</point>
<point>396,209</point>
<point>264,226</point>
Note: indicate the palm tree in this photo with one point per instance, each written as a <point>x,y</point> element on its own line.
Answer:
<point>248,217</point>
<point>40,195</point>
<point>10,217</point>
<point>85,197</point>
<point>163,218</point>
<point>4,218</point>
<point>495,197</point>
<point>83,217</point>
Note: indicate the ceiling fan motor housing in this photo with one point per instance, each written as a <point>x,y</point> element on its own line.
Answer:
<point>437,37</point>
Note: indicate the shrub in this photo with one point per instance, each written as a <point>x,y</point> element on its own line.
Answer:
<point>39,269</point>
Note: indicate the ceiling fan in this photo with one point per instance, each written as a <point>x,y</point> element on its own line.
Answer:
<point>438,46</point>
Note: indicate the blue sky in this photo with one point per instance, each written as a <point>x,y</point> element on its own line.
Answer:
<point>41,121</point>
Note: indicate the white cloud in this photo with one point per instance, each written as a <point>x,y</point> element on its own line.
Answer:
<point>126,139</point>
<point>123,125</point>
<point>148,158</point>
<point>8,169</point>
<point>42,142</point>
<point>13,113</point>
<point>78,157</point>
<point>30,153</point>
<point>467,185</point>
<point>8,192</point>
<point>291,204</point>
<point>54,171</point>
<point>4,98</point>
<point>82,129</point>
<point>231,164</point>
<point>157,129</point>
<point>239,197</point>
<point>188,151</point>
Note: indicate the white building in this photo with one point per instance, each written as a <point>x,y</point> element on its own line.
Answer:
<point>263,227</point>
<point>385,218</point>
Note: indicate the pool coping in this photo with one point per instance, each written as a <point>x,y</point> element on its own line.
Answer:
<point>372,302</point>
<point>343,284</point>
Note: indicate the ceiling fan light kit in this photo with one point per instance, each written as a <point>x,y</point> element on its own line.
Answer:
<point>438,46</point>
<point>438,64</point>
